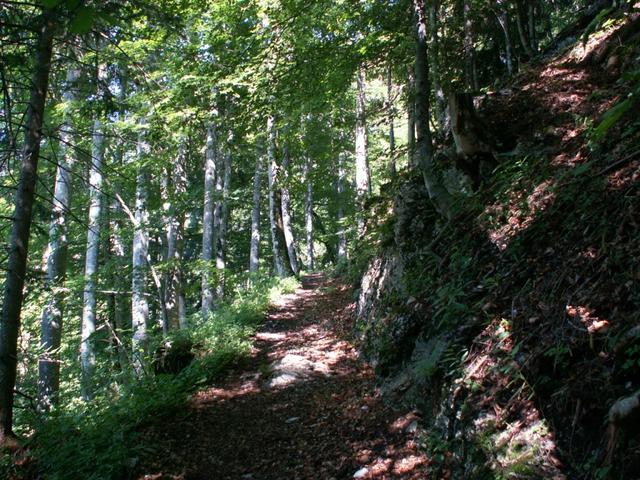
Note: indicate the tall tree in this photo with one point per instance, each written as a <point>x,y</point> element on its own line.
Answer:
<point>280,266</point>
<point>208,217</point>
<point>254,248</point>
<point>21,226</point>
<point>440,197</point>
<point>308,211</point>
<point>56,259</point>
<point>87,343</point>
<point>285,200</point>
<point>363,176</point>
<point>139,303</point>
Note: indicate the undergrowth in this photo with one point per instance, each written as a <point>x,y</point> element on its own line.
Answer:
<point>97,439</point>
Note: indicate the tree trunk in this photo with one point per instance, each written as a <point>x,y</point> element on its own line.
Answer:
<point>532,25</point>
<point>363,177</point>
<point>221,254</point>
<point>87,344</point>
<point>139,303</point>
<point>56,258</point>
<point>470,72</point>
<point>274,203</point>
<point>254,250</point>
<point>286,214</point>
<point>411,119</point>
<point>524,41</point>
<point>208,217</point>
<point>442,113</point>
<point>19,240</point>
<point>340,191</point>
<point>424,150</point>
<point>503,20</point>
<point>393,171</point>
<point>473,145</point>
<point>308,213</point>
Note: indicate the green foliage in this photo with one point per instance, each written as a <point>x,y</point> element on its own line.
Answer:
<point>97,439</point>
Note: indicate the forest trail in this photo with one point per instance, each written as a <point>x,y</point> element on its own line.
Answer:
<point>303,407</point>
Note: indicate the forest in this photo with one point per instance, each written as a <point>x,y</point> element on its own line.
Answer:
<point>327,239</point>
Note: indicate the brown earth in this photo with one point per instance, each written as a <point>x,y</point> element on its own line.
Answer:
<point>305,407</point>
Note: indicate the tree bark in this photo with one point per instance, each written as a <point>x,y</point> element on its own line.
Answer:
<point>393,171</point>
<point>87,344</point>
<point>286,214</point>
<point>139,303</point>
<point>424,149</point>
<point>221,254</point>
<point>503,20</point>
<point>363,177</point>
<point>470,71</point>
<point>520,21</point>
<point>342,253</point>
<point>19,240</point>
<point>208,220</point>
<point>411,119</point>
<point>442,114</point>
<point>254,249</point>
<point>56,258</point>
<point>308,213</point>
<point>274,202</point>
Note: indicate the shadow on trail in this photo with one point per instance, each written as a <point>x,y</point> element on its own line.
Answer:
<point>305,407</point>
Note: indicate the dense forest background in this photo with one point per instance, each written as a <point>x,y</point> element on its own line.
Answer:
<point>169,168</point>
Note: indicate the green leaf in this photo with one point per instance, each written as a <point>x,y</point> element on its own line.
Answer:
<point>83,21</point>
<point>611,117</point>
<point>50,3</point>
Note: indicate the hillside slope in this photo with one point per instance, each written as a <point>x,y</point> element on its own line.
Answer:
<point>515,328</point>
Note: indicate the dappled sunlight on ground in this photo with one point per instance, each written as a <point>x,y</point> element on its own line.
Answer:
<point>303,407</point>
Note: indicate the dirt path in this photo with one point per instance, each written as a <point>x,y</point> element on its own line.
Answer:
<point>305,408</point>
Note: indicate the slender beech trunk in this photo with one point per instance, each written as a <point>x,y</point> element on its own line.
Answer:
<point>254,250</point>
<point>139,303</point>
<point>470,70</point>
<point>56,258</point>
<point>286,214</point>
<point>174,221</point>
<point>424,149</point>
<point>208,216</point>
<point>217,222</point>
<point>503,19</point>
<point>363,177</point>
<point>308,212</point>
<point>340,190</point>
<point>221,251</point>
<point>532,25</point>
<point>88,325</point>
<point>274,204</point>
<point>118,252</point>
<point>442,114</point>
<point>19,240</point>
<point>411,119</point>
<point>390,118</point>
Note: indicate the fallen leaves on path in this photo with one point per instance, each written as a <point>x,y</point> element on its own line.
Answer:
<point>306,407</point>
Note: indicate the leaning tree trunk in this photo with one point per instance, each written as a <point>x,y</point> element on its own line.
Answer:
<point>56,260</point>
<point>274,203</point>
<point>139,303</point>
<point>19,240</point>
<point>286,214</point>
<point>424,149</point>
<point>208,232</point>
<point>87,343</point>
<point>308,212</point>
<point>254,250</point>
<point>363,177</point>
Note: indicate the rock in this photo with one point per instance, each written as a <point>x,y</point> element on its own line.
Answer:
<point>362,473</point>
